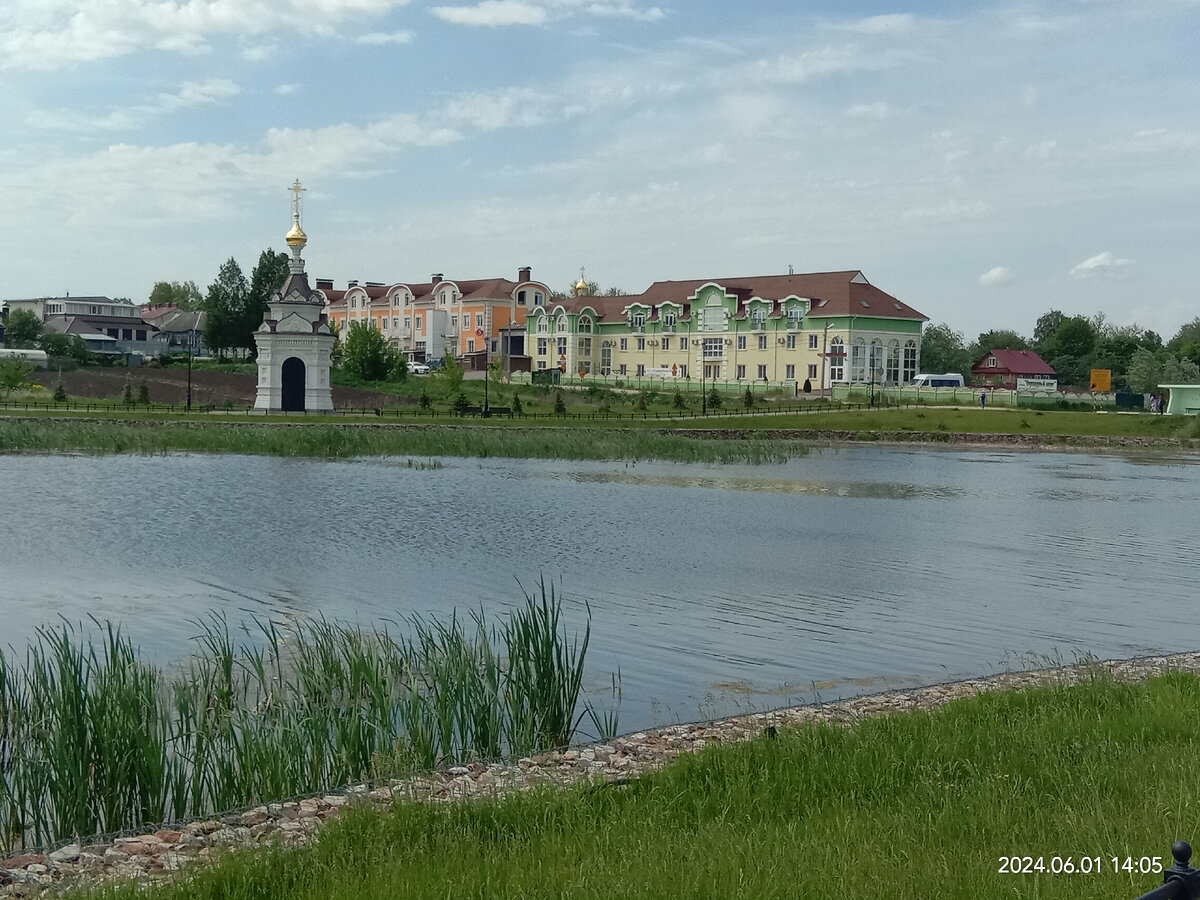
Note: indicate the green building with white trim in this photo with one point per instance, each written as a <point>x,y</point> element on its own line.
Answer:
<point>826,328</point>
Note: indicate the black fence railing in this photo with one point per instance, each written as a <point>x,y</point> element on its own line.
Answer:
<point>402,412</point>
<point>1181,881</point>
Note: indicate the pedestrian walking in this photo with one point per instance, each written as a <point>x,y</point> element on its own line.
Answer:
<point>983,399</point>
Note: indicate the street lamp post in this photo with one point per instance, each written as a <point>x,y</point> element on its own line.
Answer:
<point>703,367</point>
<point>191,336</point>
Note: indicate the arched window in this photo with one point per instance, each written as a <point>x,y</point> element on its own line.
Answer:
<point>910,361</point>
<point>893,362</point>
<point>837,360</point>
<point>858,360</point>
<point>561,326</point>
<point>876,360</point>
<point>543,325</point>
<point>585,324</point>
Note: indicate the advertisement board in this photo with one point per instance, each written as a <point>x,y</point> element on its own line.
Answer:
<point>1043,385</point>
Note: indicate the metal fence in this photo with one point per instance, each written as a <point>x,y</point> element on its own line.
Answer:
<point>1180,881</point>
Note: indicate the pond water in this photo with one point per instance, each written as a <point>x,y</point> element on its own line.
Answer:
<point>713,588</point>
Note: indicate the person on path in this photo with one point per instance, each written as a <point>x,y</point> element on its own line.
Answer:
<point>1162,404</point>
<point>983,399</point>
<point>1153,403</point>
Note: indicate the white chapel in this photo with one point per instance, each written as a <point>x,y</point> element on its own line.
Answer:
<point>294,340</point>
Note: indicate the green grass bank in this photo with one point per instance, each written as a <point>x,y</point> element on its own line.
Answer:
<point>908,805</point>
<point>760,438</point>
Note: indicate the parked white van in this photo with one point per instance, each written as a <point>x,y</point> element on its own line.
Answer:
<point>950,379</point>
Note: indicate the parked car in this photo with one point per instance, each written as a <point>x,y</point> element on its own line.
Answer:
<point>418,368</point>
<point>436,364</point>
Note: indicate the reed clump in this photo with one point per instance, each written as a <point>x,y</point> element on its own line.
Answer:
<point>94,739</point>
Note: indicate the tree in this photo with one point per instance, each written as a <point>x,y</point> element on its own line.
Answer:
<point>560,407</point>
<point>450,376</point>
<point>367,353</point>
<point>14,374</point>
<point>268,276</point>
<point>517,408</point>
<point>495,372</point>
<point>1148,370</point>
<point>714,399</point>
<point>942,350</point>
<point>183,294</point>
<point>223,307</point>
<point>1046,325</point>
<point>1187,334</point>
<point>66,346</point>
<point>997,339</point>
<point>1069,350</point>
<point>23,329</point>
<point>748,398</point>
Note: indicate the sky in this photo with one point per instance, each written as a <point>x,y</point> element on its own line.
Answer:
<point>983,162</point>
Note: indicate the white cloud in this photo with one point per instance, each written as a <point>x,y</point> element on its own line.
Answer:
<point>189,94</point>
<point>492,13</point>
<point>899,23</point>
<point>50,34</point>
<point>996,277</point>
<point>800,68</point>
<point>869,111</point>
<point>199,93</point>
<point>495,13</point>
<point>1100,266</point>
<point>378,38</point>
<point>945,213</point>
<point>286,89</point>
<point>498,109</point>
<point>1040,150</point>
<point>259,52</point>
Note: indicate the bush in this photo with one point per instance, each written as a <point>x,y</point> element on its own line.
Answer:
<point>560,408</point>
<point>748,398</point>
<point>517,408</point>
<point>807,386</point>
<point>423,402</point>
<point>144,393</point>
<point>641,400</point>
<point>714,399</point>
<point>127,396</point>
<point>677,401</point>
<point>60,392</point>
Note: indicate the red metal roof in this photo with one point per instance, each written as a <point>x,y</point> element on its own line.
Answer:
<point>1012,362</point>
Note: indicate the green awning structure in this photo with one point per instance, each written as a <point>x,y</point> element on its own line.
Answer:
<point>1184,399</point>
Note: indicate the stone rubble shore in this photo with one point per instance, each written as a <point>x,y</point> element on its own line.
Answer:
<point>156,856</point>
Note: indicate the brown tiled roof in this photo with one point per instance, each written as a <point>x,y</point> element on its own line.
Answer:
<point>832,293</point>
<point>607,308</point>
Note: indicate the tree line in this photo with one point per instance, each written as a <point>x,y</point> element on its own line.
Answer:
<point>1138,358</point>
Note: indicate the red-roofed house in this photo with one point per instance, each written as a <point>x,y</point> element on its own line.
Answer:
<point>1002,368</point>
<point>476,318</point>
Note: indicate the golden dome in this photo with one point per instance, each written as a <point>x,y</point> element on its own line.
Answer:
<point>296,237</point>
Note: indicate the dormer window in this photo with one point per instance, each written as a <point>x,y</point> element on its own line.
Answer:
<point>638,319</point>
<point>538,299</point>
<point>561,326</point>
<point>668,319</point>
<point>354,303</point>
<point>543,325</point>
<point>991,362</point>
<point>520,298</point>
<point>795,316</point>
<point>585,324</point>
<point>758,316</point>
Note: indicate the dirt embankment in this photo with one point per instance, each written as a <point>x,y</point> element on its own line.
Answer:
<point>208,388</point>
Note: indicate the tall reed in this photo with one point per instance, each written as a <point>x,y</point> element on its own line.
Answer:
<point>95,740</point>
